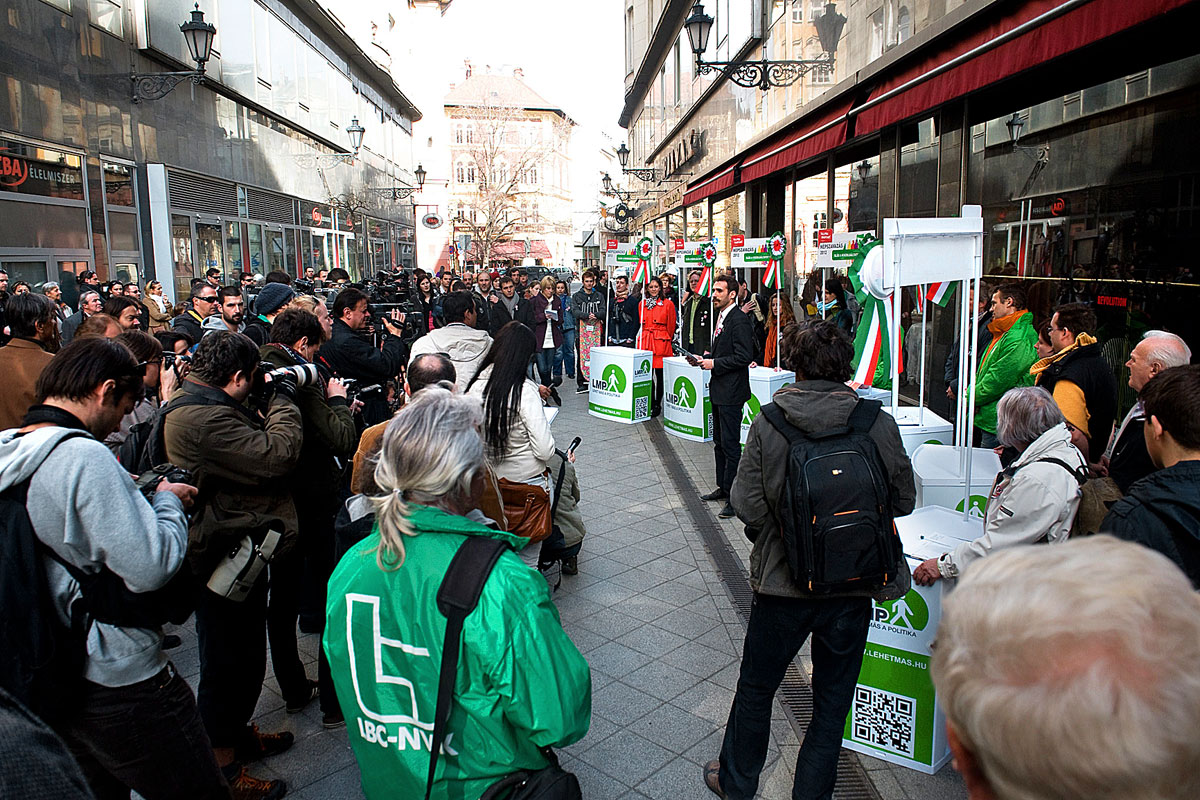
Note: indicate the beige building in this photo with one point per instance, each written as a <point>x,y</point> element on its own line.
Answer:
<point>508,171</point>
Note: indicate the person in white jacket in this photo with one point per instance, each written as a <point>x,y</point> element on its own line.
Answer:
<point>1035,499</point>
<point>466,346</point>
<point>518,438</point>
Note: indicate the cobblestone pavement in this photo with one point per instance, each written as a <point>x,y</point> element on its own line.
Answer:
<point>653,619</point>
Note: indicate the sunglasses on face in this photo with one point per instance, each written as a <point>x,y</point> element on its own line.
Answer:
<point>211,299</point>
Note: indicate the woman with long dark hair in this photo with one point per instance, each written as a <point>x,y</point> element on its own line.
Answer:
<point>424,300</point>
<point>658,330</point>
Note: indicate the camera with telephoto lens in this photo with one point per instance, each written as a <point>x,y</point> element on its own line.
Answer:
<point>147,482</point>
<point>172,360</point>
<point>268,377</point>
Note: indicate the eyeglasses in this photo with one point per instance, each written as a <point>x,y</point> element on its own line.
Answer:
<point>212,298</point>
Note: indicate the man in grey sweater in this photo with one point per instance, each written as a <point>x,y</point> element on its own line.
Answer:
<point>135,725</point>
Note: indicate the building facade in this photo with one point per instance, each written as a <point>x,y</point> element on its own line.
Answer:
<point>239,172</point>
<point>1065,120</point>
<point>509,174</point>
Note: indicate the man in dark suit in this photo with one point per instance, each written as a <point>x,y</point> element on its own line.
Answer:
<point>729,387</point>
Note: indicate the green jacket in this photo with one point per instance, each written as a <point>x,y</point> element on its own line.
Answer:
<point>1005,366</point>
<point>521,685</point>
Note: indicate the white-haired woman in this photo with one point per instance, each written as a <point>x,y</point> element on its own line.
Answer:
<point>1034,500</point>
<point>521,684</point>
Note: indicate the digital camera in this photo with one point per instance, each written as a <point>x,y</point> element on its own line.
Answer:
<point>147,482</point>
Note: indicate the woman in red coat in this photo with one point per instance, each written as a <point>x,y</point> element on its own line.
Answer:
<point>657,333</point>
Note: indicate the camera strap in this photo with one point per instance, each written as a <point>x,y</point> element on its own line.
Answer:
<point>58,417</point>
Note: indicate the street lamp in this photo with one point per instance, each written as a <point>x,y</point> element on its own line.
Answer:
<point>766,74</point>
<point>648,174</point>
<point>609,189</point>
<point>199,36</point>
<point>1014,125</point>
<point>356,132</point>
<point>405,191</point>
<point>864,169</point>
<point>330,160</point>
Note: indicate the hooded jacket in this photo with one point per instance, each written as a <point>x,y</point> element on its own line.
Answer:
<point>466,346</point>
<point>1033,501</point>
<point>812,406</point>
<point>1004,365</point>
<point>1084,387</point>
<point>238,463</point>
<point>1162,512</point>
<point>521,683</point>
<point>214,322</point>
<point>593,302</point>
<point>84,506</point>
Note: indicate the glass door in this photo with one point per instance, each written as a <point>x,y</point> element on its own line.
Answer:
<point>209,252</point>
<point>254,240</point>
<point>233,252</point>
<point>274,251</point>
<point>32,271</point>
<point>181,252</point>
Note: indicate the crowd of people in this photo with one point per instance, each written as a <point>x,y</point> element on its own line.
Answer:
<point>285,455</point>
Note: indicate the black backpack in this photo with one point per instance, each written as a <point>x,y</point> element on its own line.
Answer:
<point>836,508</point>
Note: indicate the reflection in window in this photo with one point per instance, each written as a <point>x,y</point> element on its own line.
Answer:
<point>903,24</point>
<point>105,14</point>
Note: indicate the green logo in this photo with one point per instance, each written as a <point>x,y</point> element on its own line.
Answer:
<point>909,612</point>
<point>750,410</point>
<point>978,504</point>
<point>614,379</point>
<point>644,367</point>
<point>935,441</point>
<point>683,394</point>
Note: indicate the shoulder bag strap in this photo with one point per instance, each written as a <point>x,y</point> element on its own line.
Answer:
<point>558,484</point>
<point>779,422</point>
<point>456,599</point>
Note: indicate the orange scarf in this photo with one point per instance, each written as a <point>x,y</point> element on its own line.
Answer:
<point>999,327</point>
<point>769,352</point>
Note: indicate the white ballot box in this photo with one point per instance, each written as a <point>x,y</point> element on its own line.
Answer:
<point>620,384</point>
<point>687,411</point>
<point>764,383</point>
<point>938,473</point>
<point>918,428</point>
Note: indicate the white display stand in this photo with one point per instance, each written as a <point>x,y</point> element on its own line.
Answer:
<point>871,393</point>
<point>764,383</point>
<point>919,426</point>
<point>620,384</point>
<point>687,410</point>
<point>938,473</point>
<point>895,715</point>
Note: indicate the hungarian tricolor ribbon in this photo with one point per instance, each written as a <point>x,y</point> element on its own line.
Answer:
<point>935,292</point>
<point>776,247</point>
<point>644,250</point>
<point>708,257</point>
<point>872,348</point>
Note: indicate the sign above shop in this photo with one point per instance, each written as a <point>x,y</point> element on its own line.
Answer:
<point>316,216</point>
<point>431,221</point>
<point>27,169</point>
<point>683,152</point>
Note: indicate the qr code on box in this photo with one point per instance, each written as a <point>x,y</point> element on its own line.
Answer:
<point>883,719</point>
<point>641,407</point>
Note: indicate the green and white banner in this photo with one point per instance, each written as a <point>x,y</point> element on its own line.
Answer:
<point>764,383</point>
<point>620,384</point>
<point>687,411</point>
<point>839,249</point>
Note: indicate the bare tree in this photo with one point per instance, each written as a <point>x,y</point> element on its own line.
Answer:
<point>506,149</point>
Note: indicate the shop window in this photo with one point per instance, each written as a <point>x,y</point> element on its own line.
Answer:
<point>122,232</point>
<point>918,169</point>
<point>36,225</point>
<point>181,253</point>
<point>856,199</point>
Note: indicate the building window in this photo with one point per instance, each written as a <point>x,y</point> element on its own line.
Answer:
<point>106,15</point>
<point>460,173</point>
<point>629,39</point>
<point>877,34</point>
<point>678,64</point>
<point>797,12</point>
<point>903,24</point>
<point>815,9</point>
<point>458,134</point>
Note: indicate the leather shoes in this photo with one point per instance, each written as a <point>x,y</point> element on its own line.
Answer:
<point>727,512</point>
<point>712,778</point>
<point>715,494</point>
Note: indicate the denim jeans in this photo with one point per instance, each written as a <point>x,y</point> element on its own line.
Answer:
<point>146,737</point>
<point>545,364</point>
<point>565,357</point>
<point>777,630</point>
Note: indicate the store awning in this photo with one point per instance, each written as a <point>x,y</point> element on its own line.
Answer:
<point>823,132</point>
<point>513,251</point>
<point>718,181</point>
<point>1031,34</point>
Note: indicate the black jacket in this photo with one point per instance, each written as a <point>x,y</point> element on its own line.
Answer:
<point>697,334</point>
<point>1130,462</point>
<point>258,329</point>
<point>1086,368</point>
<point>188,323</point>
<point>624,319</point>
<point>732,352</point>
<point>522,312</point>
<point>1162,512</point>
<point>349,354</point>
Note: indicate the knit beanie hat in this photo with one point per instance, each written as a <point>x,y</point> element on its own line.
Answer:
<point>273,297</point>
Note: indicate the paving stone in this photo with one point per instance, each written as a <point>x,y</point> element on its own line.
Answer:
<point>673,728</point>
<point>653,641</point>
<point>660,680</point>
<point>627,756</point>
<point>622,704</point>
<point>616,659</point>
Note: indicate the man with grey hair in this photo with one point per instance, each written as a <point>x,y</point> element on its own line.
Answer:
<point>1034,500</point>
<point>52,290</point>
<point>1126,459</point>
<point>89,305</point>
<point>1070,673</point>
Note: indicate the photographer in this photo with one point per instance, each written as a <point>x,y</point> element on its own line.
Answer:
<point>129,719</point>
<point>239,462</point>
<point>461,340</point>
<point>158,384</point>
<point>269,302</point>
<point>348,353</point>
<point>329,441</point>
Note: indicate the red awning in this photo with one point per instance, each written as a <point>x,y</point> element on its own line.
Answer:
<point>1032,33</point>
<point>823,132</point>
<point>711,184</point>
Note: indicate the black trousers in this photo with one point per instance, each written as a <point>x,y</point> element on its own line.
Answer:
<point>727,435</point>
<point>777,630</point>
<point>233,661</point>
<point>656,391</point>
<point>146,737</point>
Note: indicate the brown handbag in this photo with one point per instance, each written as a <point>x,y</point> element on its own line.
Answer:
<point>526,509</point>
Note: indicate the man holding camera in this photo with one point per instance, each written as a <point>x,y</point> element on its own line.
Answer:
<point>131,720</point>
<point>329,441</point>
<point>461,340</point>
<point>240,463</point>
<point>348,353</point>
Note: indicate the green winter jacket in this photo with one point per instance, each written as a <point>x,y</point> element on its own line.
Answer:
<point>1004,366</point>
<point>521,685</point>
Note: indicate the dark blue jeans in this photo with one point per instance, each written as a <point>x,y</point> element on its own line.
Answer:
<point>566,355</point>
<point>147,737</point>
<point>777,630</point>
<point>545,365</point>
